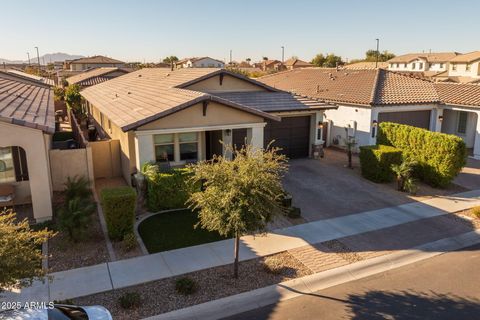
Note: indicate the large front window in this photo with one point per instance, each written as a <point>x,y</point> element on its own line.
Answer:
<point>164,147</point>
<point>176,146</point>
<point>188,146</point>
<point>7,169</point>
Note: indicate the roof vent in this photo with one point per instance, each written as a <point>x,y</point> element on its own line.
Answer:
<point>128,92</point>
<point>139,75</point>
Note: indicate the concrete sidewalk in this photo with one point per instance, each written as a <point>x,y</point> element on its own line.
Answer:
<point>113,275</point>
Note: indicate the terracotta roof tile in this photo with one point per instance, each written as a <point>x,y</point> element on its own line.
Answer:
<point>467,57</point>
<point>430,57</point>
<point>459,94</point>
<point>88,77</point>
<point>96,59</point>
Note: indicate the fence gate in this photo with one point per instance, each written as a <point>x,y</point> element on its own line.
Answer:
<point>106,159</point>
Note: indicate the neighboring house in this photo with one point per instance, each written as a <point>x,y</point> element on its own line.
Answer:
<point>271,65</point>
<point>294,63</point>
<point>421,62</point>
<point>96,76</point>
<point>465,66</point>
<point>199,62</point>
<point>366,65</point>
<point>32,77</point>
<point>366,98</point>
<point>181,116</point>
<point>93,62</point>
<point>26,127</point>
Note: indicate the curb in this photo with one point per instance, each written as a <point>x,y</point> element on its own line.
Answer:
<point>257,298</point>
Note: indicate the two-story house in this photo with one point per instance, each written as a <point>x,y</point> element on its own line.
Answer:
<point>199,62</point>
<point>93,62</point>
<point>422,62</point>
<point>465,65</point>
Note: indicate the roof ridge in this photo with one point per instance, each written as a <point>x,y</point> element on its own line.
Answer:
<point>376,80</point>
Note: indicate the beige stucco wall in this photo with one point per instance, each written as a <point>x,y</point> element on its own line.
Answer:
<point>36,145</point>
<point>69,163</point>
<point>229,84</point>
<point>217,114</point>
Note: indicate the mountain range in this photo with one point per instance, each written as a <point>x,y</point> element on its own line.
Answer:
<point>47,58</point>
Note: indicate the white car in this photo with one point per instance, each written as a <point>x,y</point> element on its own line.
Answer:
<point>58,312</point>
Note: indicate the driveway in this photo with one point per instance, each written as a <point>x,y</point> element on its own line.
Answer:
<point>469,178</point>
<point>325,188</point>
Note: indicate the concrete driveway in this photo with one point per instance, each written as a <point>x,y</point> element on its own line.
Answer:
<point>469,178</point>
<point>325,188</point>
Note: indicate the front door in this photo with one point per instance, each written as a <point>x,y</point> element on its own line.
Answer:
<point>212,144</point>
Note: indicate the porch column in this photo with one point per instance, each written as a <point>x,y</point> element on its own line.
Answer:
<point>40,181</point>
<point>316,132</point>
<point>435,122</point>
<point>476,146</point>
<point>227,142</point>
<point>373,128</point>
<point>144,150</point>
<point>255,137</point>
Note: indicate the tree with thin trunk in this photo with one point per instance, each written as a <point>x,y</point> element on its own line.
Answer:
<point>350,144</point>
<point>239,196</point>
<point>20,251</point>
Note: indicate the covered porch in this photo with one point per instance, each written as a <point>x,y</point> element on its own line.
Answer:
<point>188,145</point>
<point>463,122</point>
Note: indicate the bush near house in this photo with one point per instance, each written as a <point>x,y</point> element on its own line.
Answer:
<point>168,190</point>
<point>376,162</point>
<point>119,209</point>
<point>440,156</point>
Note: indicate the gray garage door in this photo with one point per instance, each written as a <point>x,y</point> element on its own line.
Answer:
<point>419,119</point>
<point>292,135</point>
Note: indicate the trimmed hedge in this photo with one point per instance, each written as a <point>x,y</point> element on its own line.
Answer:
<point>376,162</point>
<point>440,156</point>
<point>119,209</point>
<point>168,190</point>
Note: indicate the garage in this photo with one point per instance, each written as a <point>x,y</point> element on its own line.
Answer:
<point>292,135</point>
<point>419,119</point>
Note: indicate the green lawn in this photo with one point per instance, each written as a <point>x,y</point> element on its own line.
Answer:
<point>173,230</point>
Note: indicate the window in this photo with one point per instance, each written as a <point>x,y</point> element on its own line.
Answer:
<point>404,65</point>
<point>420,65</point>
<point>441,65</point>
<point>430,65</point>
<point>454,66</point>
<point>188,145</point>
<point>462,122</point>
<point>164,147</point>
<point>413,66</point>
<point>391,65</point>
<point>7,170</point>
<point>398,65</point>
<point>467,67</point>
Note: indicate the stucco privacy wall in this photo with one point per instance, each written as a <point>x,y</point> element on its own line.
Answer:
<point>35,143</point>
<point>229,84</point>
<point>70,163</point>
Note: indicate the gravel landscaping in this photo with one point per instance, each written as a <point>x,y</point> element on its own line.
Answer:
<point>65,254</point>
<point>214,283</point>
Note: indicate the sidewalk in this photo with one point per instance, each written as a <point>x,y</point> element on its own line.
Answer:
<point>107,276</point>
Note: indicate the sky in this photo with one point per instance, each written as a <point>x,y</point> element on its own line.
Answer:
<point>148,30</point>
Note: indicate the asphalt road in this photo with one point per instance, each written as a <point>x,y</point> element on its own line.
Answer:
<point>444,287</point>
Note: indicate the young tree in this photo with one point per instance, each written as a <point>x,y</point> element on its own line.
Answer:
<point>331,61</point>
<point>319,60</point>
<point>239,196</point>
<point>170,59</point>
<point>73,97</point>
<point>350,144</point>
<point>20,251</point>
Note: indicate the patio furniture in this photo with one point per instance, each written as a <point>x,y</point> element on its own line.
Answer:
<point>7,195</point>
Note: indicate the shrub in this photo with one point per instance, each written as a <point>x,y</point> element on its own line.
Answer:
<point>185,286</point>
<point>440,156</point>
<point>272,265</point>
<point>476,212</point>
<point>119,209</point>
<point>129,242</point>
<point>404,175</point>
<point>130,300</point>
<point>77,187</point>
<point>376,162</point>
<point>168,190</point>
<point>74,218</point>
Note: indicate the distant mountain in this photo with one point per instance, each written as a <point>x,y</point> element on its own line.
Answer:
<point>48,57</point>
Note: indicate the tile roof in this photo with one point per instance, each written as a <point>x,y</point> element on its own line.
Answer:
<point>195,59</point>
<point>94,76</point>
<point>26,103</point>
<point>148,94</point>
<point>96,59</point>
<point>362,87</point>
<point>274,101</point>
<point>430,57</point>
<point>459,94</point>
<point>467,57</point>
<point>29,76</point>
<point>297,62</point>
<point>365,65</point>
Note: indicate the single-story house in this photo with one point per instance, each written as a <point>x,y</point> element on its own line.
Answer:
<point>367,97</point>
<point>182,115</point>
<point>26,126</point>
<point>294,63</point>
<point>93,62</point>
<point>199,62</point>
<point>96,76</point>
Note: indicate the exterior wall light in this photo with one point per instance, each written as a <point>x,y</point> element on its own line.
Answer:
<point>320,125</point>
<point>440,118</point>
<point>228,132</point>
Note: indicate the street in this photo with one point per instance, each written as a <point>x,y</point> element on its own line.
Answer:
<point>444,287</point>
